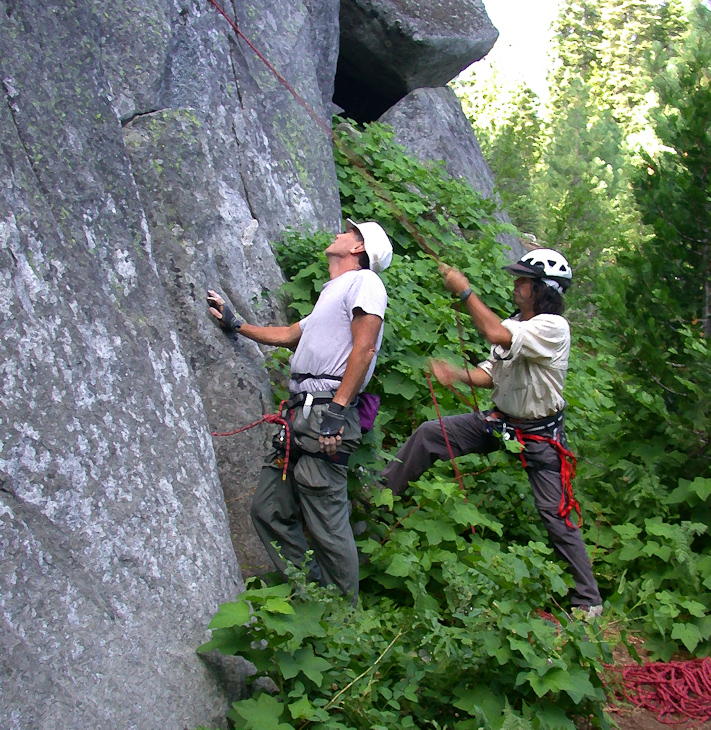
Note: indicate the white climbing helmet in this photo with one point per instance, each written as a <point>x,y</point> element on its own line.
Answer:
<point>546,264</point>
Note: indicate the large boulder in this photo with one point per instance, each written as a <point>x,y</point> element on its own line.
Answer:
<point>392,47</point>
<point>147,154</point>
<point>430,123</point>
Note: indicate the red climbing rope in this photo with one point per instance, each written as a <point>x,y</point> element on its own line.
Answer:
<point>444,433</point>
<point>457,473</point>
<point>358,163</point>
<point>266,418</point>
<point>676,692</point>
<point>309,109</point>
<point>568,465</point>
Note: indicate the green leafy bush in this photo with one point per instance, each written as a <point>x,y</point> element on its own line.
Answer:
<point>445,635</point>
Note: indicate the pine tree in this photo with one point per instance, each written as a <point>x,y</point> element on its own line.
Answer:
<point>674,189</point>
<point>656,298</point>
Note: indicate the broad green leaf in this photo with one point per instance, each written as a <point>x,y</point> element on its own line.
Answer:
<point>632,551</point>
<point>305,622</point>
<point>402,566</point>
<point>258,595</point>
<point>230,614</point>
<point>688,634</point>
<point>395,382</point>
<point>278,605</point>
<point>302,660</point>
<point>520,570</point>
<point>230,641</point>
<point>627,532</point>
<point>263,713</point>
<point>513,445</point>
<point>480,699</point>
<point>552,717</point>
<point>383,498</point>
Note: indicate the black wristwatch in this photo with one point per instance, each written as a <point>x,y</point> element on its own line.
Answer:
<point>466,294</point>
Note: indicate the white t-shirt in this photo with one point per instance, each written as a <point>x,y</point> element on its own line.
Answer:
<point>326,340</point>
<point>530,375</point>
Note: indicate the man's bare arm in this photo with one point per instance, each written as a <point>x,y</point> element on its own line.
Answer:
<point>364,329</point>
<point>484,319</point>
<point>277,336</point>
<point>448,374</point>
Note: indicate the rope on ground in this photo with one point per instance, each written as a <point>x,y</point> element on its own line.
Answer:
<point>677,692</point>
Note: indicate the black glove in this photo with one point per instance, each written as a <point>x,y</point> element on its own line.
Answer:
<point>334,419</point>
<point>230,321</point>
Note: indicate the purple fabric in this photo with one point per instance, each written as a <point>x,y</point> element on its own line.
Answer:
<point>368,406</point>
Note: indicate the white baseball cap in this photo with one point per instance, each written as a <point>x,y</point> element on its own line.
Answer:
<point>377,244</point>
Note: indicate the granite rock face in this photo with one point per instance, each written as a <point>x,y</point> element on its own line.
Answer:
<point>225,159</point>
<point>392,47</point>
<point>146,154</point>
<point>430,123</point>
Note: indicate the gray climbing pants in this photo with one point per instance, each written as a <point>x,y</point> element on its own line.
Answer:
<point>471,434</point>
<point>315,494</point>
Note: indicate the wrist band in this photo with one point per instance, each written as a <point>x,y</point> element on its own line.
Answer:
<point>466,294</point>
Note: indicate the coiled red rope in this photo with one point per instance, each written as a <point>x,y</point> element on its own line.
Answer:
<point>676,692</point>
<point>266,418</point>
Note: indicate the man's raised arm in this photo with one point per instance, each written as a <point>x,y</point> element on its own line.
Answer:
<point>226,318</point>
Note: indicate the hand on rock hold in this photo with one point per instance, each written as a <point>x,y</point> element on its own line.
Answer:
<point>225,317</point>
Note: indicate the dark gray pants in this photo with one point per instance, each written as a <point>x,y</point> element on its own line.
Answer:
<point>315,493</point>
<point>468,434</point>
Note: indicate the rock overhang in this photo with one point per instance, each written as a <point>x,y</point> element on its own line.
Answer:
<point>388,48</point>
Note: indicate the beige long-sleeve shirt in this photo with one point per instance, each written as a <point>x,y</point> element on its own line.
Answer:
<point>530,375</point>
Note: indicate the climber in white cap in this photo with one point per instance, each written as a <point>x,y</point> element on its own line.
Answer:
<point>335,351</point>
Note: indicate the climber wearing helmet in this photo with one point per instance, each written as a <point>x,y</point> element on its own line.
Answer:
<point>335,350</point>
<point>526,369</point>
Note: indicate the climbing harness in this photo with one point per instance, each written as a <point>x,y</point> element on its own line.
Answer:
<point>284,439</point>
<point>266,418</point>
<point>526,430</point>
<point>568,465</point>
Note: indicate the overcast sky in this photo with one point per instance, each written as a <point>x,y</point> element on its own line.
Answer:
<point>520,53</point>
